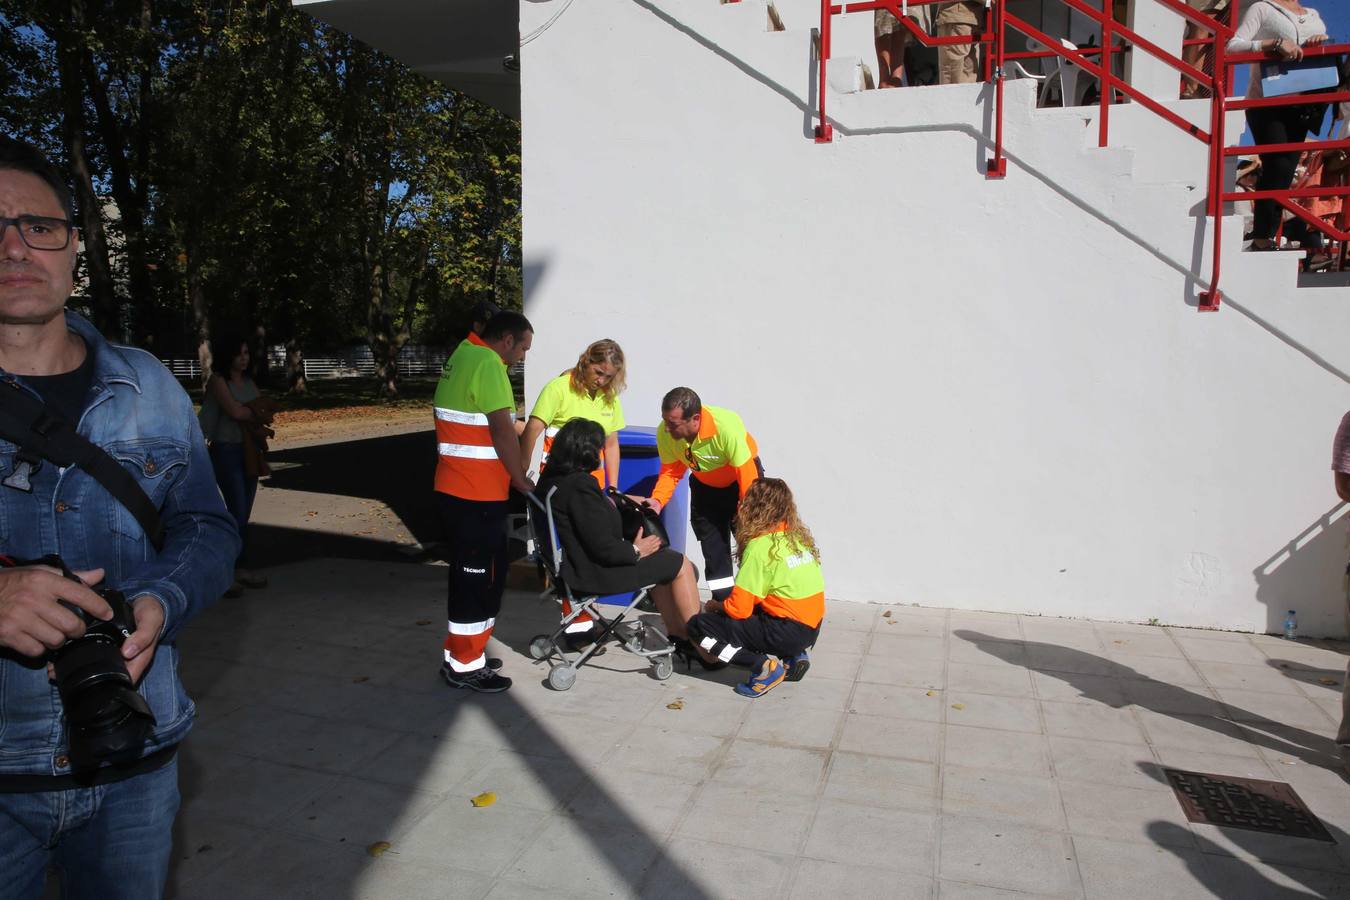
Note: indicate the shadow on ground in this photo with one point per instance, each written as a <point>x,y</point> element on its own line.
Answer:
<point>324,729</point>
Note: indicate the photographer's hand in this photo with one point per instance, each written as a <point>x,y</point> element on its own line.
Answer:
<point>139,649</point>
<point>31,619</point>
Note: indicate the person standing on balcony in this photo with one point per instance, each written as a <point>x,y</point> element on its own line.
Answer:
<point>1283,28</point>
<point>479,464</point>
<point>589,390</point>
<point>1340,465</point>
<point>714,444</point>
<point>892,38</point>
<point>959,63</point>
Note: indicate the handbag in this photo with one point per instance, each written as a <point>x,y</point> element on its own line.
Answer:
<point>636,516</point>
<point>1320,73</point>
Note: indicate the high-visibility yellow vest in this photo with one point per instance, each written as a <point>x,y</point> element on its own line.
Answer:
<point>721,454</point>
<point>779,577</point>
<point>473,383</point>
<point>558,404</point>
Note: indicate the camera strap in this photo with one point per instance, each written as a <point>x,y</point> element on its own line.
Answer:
<point>41,435</point>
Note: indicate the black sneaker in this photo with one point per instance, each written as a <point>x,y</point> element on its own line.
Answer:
<point>484,680</point>
<point>577,641</point>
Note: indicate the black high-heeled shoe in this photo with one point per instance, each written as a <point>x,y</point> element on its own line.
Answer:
<point>686,653</point>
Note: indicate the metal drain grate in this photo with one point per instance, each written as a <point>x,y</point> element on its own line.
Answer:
<point>1269,806</point>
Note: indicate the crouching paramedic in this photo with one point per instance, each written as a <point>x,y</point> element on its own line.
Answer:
<point>724,458</point>
<point>479,463</point>
<point>774,612</point>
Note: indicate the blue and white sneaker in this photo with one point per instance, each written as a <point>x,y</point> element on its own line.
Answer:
<point>770,675</point>
<point>797,666</point>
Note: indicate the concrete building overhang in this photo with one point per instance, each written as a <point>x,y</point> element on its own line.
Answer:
<point>469,45</point>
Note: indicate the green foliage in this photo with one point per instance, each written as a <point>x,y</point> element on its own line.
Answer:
<point>256,170</point>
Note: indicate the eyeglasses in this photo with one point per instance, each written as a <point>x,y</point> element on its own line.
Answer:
<point>39,232</point>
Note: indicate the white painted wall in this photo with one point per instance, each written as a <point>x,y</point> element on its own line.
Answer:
<point>987,394</point>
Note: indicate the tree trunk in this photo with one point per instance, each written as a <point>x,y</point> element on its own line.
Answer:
<point>201,319</point>
<point>102,294</point>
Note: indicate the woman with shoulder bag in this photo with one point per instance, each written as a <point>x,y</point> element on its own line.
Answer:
<point>1284,28</point>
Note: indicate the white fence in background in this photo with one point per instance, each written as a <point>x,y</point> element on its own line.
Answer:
<point>345,363</point>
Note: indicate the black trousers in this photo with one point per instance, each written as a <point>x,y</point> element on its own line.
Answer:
<point>748,642</point>
<point>711,511</point>
<point>476,531</point>
<point>1279,125</point>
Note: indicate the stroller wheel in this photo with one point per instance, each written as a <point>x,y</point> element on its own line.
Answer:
<point>560,678</point>
<point>540,646</point>
<point>664,667</point>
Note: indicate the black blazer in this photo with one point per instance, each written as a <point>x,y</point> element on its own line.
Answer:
<point>596,558</point>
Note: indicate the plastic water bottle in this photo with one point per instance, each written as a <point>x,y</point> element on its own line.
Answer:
<point>1290,626</point>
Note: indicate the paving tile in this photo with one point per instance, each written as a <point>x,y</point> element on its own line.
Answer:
<point>1078,688</point>
<point>1201,733</point>
<point>1252,678</point>
<point>1210,634</point>
<point>1105,762</point>
<point>532,782</point>
<point>812,692</point>
<point>1061,632</point>
<point>1082,720</point>
<point>360,812</point>
<point>1168,698</point>
<point>905,646</point>
<point>591,859</point>
<point>1256,706</point>
<point>1241,879</point>
<point>904,738</point>
<point>406,879</point>
<point>1003,796</point>
<point>1242,653</point>
<point>1275,849</point>
<point>792,770</point>
<point>1124,814</point>
<point>996,626</point>
<point>627,799</point>
<point>507,889</point>
<point>1171,670</point>
<point>281,865</point>
<point>664,752</point>
<point>491,836</point>
<point>817,878</point>
<point>709,868</point>
<point>984,748</point>
<point>910,624</point>
<point>882,781</point>
<point>1118,869</point>
<point>897,702</point>
<point>925,673</point>
<point>842,641</point>
<point>202,844</point>
<point>835,664</point>
<point>726,814</point>
<point>1049,658</point>
<point>971,647</point>
<point>785,722</point>
<point>1212,764</point>
<point>898,839</point>
<point>956,890</point>
<point>1153,642</point>
<point>432,764</point>
<point>298,740</point>
<point>250,791</point>
<point>1006,855</point>
<point>719,714</point>
<point>985,711</point>
<point>851,616</point>
<point>1001,680</point>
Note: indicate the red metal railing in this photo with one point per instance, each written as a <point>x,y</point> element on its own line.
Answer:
<point>1116,37</point>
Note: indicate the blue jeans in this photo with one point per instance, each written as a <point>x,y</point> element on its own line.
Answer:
<point>108,843</point>
<point>235,485</point>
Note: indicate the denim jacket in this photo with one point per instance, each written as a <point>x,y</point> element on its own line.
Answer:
<point>140,415</point>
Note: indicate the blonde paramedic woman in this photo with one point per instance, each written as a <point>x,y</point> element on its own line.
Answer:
<point>589,390</point>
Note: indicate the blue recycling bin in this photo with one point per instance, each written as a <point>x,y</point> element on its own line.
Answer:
<point>639,465</point>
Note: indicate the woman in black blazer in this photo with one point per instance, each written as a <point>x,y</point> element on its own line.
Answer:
<point>597,559</point>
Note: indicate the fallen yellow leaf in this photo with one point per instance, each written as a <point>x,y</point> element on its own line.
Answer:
<point>378,848</point>
<point>423,621</point>
<point>487,798</point>
<point>677,703</point>
<point>886,614</point>
<point>958,706</point>
<point>930,693</point>
<point>1328,681</point>
<point>360,678</point>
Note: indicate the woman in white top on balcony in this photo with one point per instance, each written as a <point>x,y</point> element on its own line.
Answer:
<point>1282,27</point>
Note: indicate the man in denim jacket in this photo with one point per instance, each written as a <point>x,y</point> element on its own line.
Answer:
<point>108,830</point>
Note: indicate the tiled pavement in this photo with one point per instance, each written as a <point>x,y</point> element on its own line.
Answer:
<point>929,753</point>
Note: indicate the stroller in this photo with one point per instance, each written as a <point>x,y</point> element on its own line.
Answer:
<point>637,637</point>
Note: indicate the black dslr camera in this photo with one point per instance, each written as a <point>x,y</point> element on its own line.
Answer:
<point>108,720</point>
